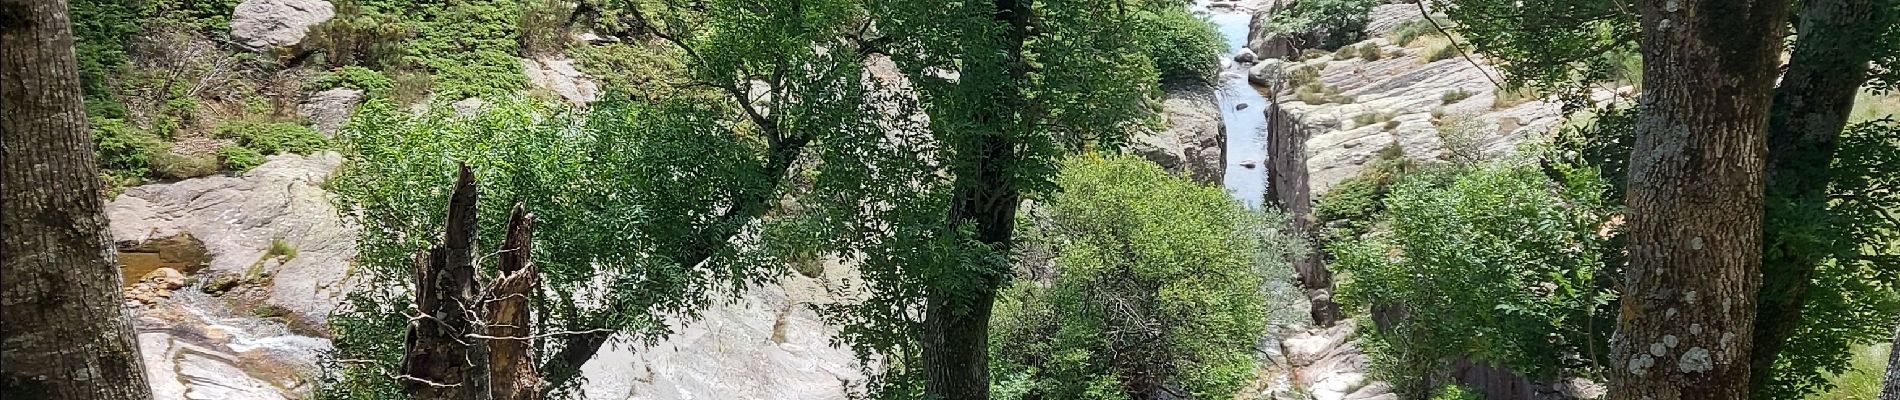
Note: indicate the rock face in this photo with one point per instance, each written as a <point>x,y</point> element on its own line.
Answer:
<point>238,218</point>
<point>1193,143</point>
<point>559,76</point>
<point>328,110</point>
<point>1385,18</point>
<point>1409,91</point>
<point>263,24</point>
<point>768,345</point>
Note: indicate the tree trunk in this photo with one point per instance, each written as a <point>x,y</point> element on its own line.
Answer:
<point>957,312</point>
<point>64,333</point>
<point>510,319</point>
<point>1695,200</point>
<point>439,360</point>
<point>1891,390</point>
<point>1828,66</point>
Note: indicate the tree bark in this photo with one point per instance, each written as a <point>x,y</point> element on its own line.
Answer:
<point>508,302</point>
<point>1891,390</point>
<point>1828,66</point>
<point>64,333</point>
<point>1695,200</point>
<point>957,310</point>
<point>439,360</point>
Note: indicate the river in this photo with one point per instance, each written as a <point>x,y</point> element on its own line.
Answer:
<point>1245,127</point>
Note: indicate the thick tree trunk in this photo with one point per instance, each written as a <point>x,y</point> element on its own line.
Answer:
<point>1891,390</point>
<point>440,361</point>
<point>957,312</point>
<point>1695,200</point>
<point>1828,66</point>
<point>64,333</point>
<point>509,307</point>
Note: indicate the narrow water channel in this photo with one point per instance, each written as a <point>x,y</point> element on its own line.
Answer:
<point>1242,114</point>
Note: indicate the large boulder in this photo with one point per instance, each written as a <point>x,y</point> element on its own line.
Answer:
<point>328,110</point>
<point>239,219</point>
<point>264,24</point>
<point>558,75</point>
<point>1193,143</point>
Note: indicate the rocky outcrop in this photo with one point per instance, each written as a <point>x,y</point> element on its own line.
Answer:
<point>1386,18</point>
<point>558,75</point>
<point>328,110</point>
<point>768,345</point>
<point>265,24</point>
<point>1401,100</point>
<point>1193,143</point>
<point>240,219</point>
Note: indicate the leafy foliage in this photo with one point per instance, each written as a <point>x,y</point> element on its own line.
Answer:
<point>1560,47</point>
<point>273,137</point>
<point>620,194</point>
<point>1334,23</point>
<point>1852,301</point>
<point>1183,47</point>
<point>1155,284</point>
<point>1496,262</point>
<point>354,77</point>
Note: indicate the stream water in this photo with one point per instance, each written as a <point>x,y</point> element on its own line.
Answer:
<point>1242,113</point>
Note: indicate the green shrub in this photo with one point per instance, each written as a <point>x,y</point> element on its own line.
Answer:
<point>1350,207</point>
<point>1370,118</point>
<point>272,137</point>
<point>1340,21</point>
<point>1500,263</point>
<point>1370,52</point>
<point>1346,53</point>
<point>1309,54</point>
<point>1183,46</point>
<point>353,77</point>
<point>171,165</point>
<point>1303,75</point>
<point>1442,52</point>
<point>1411,30</point>
<point>358,36</point>
<point>543,26</point>
<point>1455,392</point>
<point>1454,96</point>
<point>123,149</point>
<point>239,158</point>
<point>1157,285</point>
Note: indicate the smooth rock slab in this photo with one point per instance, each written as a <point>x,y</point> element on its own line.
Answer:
<point>263,24</point>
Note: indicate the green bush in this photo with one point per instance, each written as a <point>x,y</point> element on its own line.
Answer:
<point>1455,392</point>
<point>1495,262</point>
<point>358,36</point>
<point>1340,21</point>
<point>1406,32</point>
<point>171,165</point>
<point>239,158</point>
<point>1454,96</point>
<point>272,137</point>
<point>125,150</point>
<point>1156,284</point>
<point>1370,52</point>
<point>353,77</point>
<point>1183,46</point>
<point>1441,52</point>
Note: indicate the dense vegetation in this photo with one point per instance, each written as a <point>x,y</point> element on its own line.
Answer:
<point>1156,283</point>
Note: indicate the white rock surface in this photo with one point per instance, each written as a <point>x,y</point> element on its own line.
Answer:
<point>768,345</point>
<point>263,24</point>
<point>237,217</point>
<point>558,75</point>
<point>1409,89</point>
<point>328,110</point>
